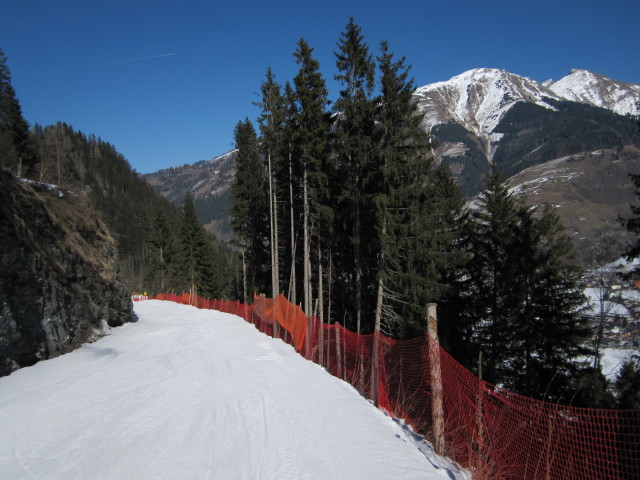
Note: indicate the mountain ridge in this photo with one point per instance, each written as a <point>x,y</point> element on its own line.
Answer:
<point>477,117</point>
<point>478,99</point>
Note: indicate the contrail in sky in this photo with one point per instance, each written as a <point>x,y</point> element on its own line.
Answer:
<point>113,62</point>
<point>144,58</point>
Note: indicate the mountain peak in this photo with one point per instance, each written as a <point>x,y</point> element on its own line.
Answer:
<point>585,86</point>
<point>478,99</point>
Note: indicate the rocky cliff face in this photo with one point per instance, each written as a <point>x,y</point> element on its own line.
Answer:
<point>59,280</point>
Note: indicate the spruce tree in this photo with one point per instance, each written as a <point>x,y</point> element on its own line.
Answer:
<point>249,211</point>
<point>490,279</point>
<point>627,385</point>
<point>552,334</point>
<point>290,180</point>
<point>17,149</point>
<point>160,256</point>
<point>312,138</point>
<point>196,260</point>
<point>354,145</point>
<point>521,297</point>
<point>272,117</point>
<point>398,186</point>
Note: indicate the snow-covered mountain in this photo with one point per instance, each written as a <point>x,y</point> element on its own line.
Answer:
<point>479,99</point>
<point>594,89</point>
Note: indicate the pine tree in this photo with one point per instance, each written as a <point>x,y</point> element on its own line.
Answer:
<point>399,182</point>
<point>290,179</point>
<point>272,117</point>
<point>160,256</point>
<point>354,145</point>
<point>16,144</point>
<point>312,138</point>
<point>249,210</point>
<point>627,385</point>
<point>197,264</point>
<point>551,334</point>
<point>522,298</point>
<point>490,279</point>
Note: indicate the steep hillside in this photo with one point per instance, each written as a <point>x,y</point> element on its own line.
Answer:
<point>60,284</point>
<point>531,135</point>
<point>129,206</point>
<point>209,182</point>
<point>590,191</point>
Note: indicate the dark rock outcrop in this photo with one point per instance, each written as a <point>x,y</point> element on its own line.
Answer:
<point>59,281</point>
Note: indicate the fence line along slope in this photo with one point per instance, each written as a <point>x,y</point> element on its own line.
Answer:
<point>493,432</point>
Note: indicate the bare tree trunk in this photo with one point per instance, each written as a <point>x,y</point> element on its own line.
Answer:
<point>292,283</point>
<point>306,261</point>
<point>162,269</point>
<point>376,334</point>
<point>276,244</point>
<point>58,152</point>
<point>358,271</point>
<point>378,314</point>
<point>274,288</point>
<point>320,286</point>
<point>244,277</point>
<point>329,292</point>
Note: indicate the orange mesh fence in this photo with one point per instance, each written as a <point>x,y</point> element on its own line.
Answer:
<point>492,432</point>
<point>282,312</point>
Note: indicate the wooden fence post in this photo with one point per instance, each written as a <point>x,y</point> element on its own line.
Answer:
<point>436,379</point>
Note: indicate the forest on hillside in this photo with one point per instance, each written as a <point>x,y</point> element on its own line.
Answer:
<point>161,248</point>
<point>341,207</point>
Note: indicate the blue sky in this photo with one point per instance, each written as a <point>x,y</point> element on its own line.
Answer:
<point>166,81</point>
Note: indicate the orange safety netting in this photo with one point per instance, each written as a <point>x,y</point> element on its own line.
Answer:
<point>492,432</point>
<point>279,310</point>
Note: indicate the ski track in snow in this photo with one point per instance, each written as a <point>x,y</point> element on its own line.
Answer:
<point>198,394</point>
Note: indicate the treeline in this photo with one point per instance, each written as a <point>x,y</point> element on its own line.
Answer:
<point>161,248</point>
<point>344,210</point>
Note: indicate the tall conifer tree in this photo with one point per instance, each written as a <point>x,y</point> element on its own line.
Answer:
<point>312,138</point>
<point>160,256</point>
<point>355,150</point>
<point>491,278</point>
<point>290,178</point>
<point>249,210</point>
<point>400,170</point>
<point>197,264</point>
<point>551,334</point>
<point>521,297</point>
<point>272,117</point>
<point>16,144</point>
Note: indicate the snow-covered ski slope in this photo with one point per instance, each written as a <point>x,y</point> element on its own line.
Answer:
<point>197,394</point>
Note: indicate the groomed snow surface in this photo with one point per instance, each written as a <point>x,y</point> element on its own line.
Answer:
<point>198,394</point>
